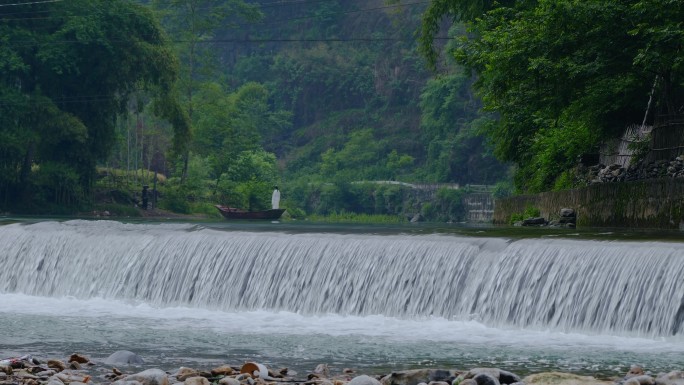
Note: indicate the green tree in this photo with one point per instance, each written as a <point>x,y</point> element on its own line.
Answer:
<point>66,70</point>
<point>192,24</point>
<point>562,75</point>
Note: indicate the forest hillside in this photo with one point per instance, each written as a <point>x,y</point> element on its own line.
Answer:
<point>216,101</point>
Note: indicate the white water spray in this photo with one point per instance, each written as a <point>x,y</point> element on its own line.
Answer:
<point>585,286</point>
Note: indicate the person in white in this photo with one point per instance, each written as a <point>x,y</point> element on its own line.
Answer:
<point>275,198</point>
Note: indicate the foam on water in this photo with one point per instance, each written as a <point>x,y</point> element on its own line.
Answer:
<point>179,291</point>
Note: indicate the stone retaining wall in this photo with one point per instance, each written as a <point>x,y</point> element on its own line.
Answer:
<point>657,203</point>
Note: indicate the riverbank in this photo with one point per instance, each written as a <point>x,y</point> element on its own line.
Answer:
<point>127,368</point>
<point>653,203</point>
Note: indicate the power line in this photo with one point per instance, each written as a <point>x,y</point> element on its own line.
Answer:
<point>30,3</point>
<point>258,22</point>
<point>228,41</point>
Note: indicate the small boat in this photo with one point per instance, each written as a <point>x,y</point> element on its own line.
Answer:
<point>233,213</point>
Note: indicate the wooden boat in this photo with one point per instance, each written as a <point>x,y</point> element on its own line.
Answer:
<point>234,213</point>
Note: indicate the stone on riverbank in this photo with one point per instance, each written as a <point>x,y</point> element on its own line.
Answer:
<point>363,380</point>
<point>557,378</point>
<point>414,377</point>
<point>124,357</point>
<point>502,376</point>
<point>148,377</point>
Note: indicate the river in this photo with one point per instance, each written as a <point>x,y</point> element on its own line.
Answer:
<point>372,298</point>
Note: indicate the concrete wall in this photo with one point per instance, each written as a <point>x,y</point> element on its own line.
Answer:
<point>657,203</point>
<point>479,207</point>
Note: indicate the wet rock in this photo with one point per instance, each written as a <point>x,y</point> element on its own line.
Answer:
<point>46,373</point>
<point>74,365</point>
<point>322,370</point>
<point>485,379</point>
<point>557,378</point>
<point>124,357</point>
<point>184,373</point>
<point>228,381</point>
<point>54,381</point>
<point>224,370</point>
<point>363,380</point>
<point>640,380</point>
<point>68,377</point>
<point>414,377</point>
<point>675,377</point>
<point>149,377</point>
<point>56,364</point>
<point>502,376</point>
<point>78,358</point>
<point>196,381</point>
<point>438,383</point>
<point>534,221</point>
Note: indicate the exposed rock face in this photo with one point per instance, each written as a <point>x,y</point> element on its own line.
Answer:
<point>640,171</point>
<point>124,357</point>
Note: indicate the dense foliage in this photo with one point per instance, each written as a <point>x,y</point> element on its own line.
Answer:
<point>66,71</point>
<point>215,101</point>
<point>563,75</point>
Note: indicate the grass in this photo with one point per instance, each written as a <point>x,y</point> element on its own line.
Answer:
<point>346,217</point>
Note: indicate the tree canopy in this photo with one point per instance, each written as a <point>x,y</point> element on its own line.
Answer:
<point>563,75</point>
<point>67,68</point>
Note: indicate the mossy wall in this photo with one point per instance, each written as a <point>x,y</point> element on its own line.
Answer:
<point>657,203</point>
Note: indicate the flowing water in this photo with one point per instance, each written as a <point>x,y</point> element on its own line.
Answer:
<point>373,300</point>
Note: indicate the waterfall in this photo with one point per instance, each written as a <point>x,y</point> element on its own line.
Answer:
<point>630,288</point>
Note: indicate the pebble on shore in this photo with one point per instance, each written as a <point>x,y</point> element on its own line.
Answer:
<point>80,370</point>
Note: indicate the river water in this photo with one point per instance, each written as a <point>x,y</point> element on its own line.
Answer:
<point>367,297</point>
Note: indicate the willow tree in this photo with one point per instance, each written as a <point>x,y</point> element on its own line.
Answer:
<point>66,70</point>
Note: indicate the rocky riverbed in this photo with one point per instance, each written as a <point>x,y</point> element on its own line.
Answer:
<point>126,368</point>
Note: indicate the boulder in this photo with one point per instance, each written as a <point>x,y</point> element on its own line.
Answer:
<point>228,381</point>
<point>534,221</point>
<point>502,376</point>
<point>567,213</point>
<point>556,378</point>
<point>81,359</point>
<point>485,379</point>
<point>675,377</point>
<point>124,357</point>
<point>363,380</point>
<point>223,370</point>
<point>197,380</point>
<point>414,377</point>
<point>56,364</point>
<point>322,370</point>
<point>639,380</point>
<point>149,377</point>
<point>184,373</point>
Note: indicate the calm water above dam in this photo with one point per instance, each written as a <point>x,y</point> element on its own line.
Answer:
<point>371,298</point>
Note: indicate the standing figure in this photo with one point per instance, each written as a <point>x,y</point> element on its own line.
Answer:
<point>275,198</point>
<point>144,197</point>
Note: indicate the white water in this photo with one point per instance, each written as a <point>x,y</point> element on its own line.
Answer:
<point>298,299</point>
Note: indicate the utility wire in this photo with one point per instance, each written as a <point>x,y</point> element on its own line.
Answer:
<point>29,3</point>
<point>258,22</point>
<point>230,41</point>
